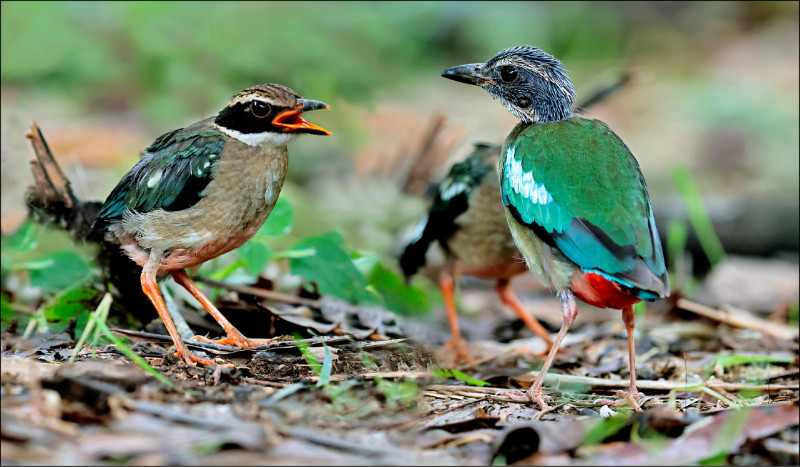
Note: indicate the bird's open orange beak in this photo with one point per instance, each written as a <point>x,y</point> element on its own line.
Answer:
<point>294,123</point>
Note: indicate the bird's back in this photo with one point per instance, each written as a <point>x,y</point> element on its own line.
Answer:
<point>466,220</point>
<point>576,186</point>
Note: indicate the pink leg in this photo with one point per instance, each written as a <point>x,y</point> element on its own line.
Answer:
<point>569,310</point>
<point>234,337</point>
<point>150,288</point>
<point>510,298</point>
<point>633,393</point>
<point>457,342</point>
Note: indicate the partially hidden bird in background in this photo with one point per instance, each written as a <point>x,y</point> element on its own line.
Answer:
<point>575,199</point>
<point>465,233</point>
<point>201,191</point>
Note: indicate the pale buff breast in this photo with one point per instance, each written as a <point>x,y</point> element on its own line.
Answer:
<point>235,205</point>
<point>483,241</point>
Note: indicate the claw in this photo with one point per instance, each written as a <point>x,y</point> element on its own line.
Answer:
<point>234,340</point>
<point>628,397</point>
<point>459,346</point>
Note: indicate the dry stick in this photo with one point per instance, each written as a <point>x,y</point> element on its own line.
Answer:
<point>49,177</point>
<point>378,374</point>
<point>740,318</point>
<point>552,379</point>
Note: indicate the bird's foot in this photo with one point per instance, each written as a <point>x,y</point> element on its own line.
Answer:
<point>457,346</point>
<point>628,397</point>
<point>192,359</point>
<point>533,395</point>
<point>236,339</point>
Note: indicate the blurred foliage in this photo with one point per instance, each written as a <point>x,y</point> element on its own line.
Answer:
<point>169,62</point>
<point>57,282</point>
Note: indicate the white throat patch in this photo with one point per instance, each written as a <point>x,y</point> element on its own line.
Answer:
<point>263,139</point>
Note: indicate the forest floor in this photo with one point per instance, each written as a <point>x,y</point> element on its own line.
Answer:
<point>368,389</point>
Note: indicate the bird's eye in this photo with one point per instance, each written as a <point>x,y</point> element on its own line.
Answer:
<point>259,109</point>
<point>508,73</point>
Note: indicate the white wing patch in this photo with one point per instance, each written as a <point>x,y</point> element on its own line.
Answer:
<point>522,182</point>
<point>453,190</point>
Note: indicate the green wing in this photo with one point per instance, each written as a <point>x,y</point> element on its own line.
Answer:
<point>577,185</point>
<point>171,175</point>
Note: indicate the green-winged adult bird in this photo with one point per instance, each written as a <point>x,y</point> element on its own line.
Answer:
<point>204,190</point>
<point>466,233</point>
<point>575,199</point>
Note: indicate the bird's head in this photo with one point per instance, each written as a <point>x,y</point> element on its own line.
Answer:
<point>268,114</point>
<point>532,84</point>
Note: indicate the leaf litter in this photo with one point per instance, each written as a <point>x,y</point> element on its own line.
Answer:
<point>332,389</point>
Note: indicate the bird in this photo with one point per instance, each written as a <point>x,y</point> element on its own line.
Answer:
<point>465,232</point>
<point>204,190</point>
<point>574,197</point>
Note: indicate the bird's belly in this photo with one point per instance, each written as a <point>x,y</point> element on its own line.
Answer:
<point>549,265</point>
<point>235,205</point>
<point>483,243</point>
<point>596,290</point>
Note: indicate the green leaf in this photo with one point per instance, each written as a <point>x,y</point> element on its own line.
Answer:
<point>255,256</point>
<point>67,268</point>
<point>447,373</point>
<point>70,304</point>
<point>24,239</point>
<point>306,352</point>
<point>7,313</point>
<point>724,361</point>
<point>280,219</point>
<point>332,269</point>
<point>327,366</point>
<point>608,427</point>
<point>398,297</point>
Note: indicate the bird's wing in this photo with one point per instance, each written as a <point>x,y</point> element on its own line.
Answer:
<point>579,188</point>
<point>451,200</point>
<point>171,175</point>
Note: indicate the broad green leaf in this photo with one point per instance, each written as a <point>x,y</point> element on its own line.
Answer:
<point>332,269</point>
<point>24,239</point>
<point>255,256</point>
<point>6,312</point>
<point>280,219</point>
<point>67,268</point>
<point>70,304</point>
<point>397,295</point>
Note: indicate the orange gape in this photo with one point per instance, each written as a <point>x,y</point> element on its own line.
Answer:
<point>596,290</point>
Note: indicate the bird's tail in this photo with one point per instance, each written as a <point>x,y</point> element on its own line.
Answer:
<point>413,256</point>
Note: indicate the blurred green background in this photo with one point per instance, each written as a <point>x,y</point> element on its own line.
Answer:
<point>715,90</point>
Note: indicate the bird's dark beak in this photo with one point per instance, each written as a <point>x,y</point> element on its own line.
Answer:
<point>294,123</point>
<point>470,74</point>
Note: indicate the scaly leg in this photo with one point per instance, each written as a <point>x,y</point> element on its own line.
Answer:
<point>457,342</point>
<point>234,337</point>
<point>569,310</point>
<point>633,393</point>
<point>508,297</point>
<point>150,288</point>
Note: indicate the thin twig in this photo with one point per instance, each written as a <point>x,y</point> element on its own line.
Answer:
<point>740,318</point>
<point>263,293</point>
